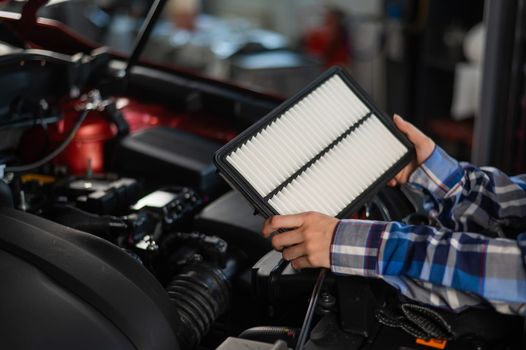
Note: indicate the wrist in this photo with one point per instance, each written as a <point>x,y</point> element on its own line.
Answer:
<point>427,153</point>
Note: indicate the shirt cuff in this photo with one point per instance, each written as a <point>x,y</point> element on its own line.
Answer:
<point>355,246</point>
<point>439,174</point>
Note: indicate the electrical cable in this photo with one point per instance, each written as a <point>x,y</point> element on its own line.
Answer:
<point>56,152</point>
<point>310,310</point>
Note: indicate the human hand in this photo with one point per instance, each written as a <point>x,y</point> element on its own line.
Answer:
<point>424,146</point>
<point>308,243</point>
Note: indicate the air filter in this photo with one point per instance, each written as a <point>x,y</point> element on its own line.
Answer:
<point>327,149</point>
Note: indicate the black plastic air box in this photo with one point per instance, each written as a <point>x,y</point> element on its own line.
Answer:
<point>169,156</point>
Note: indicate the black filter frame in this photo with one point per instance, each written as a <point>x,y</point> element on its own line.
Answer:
<point>238,182</point>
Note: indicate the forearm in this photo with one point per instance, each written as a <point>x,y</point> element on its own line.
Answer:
<point>491,268</point>
<point>467,198</point>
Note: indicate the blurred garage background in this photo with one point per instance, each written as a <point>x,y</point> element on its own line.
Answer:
<point>454,68</point>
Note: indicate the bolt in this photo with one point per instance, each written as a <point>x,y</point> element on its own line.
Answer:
<point>23,203</point>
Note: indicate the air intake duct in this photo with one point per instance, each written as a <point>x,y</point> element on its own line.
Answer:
<point>201,293</point>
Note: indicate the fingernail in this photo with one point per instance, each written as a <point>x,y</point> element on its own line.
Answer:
<point>396,116</point>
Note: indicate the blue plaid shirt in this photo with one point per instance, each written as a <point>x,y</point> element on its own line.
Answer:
<point>475,254</point>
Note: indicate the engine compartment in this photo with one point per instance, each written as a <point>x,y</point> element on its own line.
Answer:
<point>128,159</point>
<point>135,169</point>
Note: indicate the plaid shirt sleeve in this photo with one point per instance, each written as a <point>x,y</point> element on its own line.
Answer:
<point>465,198</point>
<point>492,268</point>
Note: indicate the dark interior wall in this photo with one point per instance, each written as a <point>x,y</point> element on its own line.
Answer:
<point>499,132</point>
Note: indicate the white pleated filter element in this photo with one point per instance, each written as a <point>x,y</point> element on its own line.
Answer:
<point>270,157</point>
<point>343,173</point>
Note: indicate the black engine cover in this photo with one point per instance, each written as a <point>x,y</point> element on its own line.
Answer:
<point>65,289</point>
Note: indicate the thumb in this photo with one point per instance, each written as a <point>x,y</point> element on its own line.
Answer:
<point>424,145</point>
<point>414,135</point>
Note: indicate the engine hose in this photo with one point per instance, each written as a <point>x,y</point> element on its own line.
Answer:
<point>107,227</point>
<point>201,293</point>
<point>272,334</point>
<point>27,167</point>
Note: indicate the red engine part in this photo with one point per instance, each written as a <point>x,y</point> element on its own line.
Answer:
<point>86,150</point>
<point>87,147</point>
<point>141,115</point>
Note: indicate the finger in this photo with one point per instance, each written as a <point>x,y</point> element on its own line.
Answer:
<point>301,263</point>
<point>286,239</point>
<point>416,136</point>
<point>294,252</point>
<point>399,178</point>
<point>274,223</point>
<point>267,229</point>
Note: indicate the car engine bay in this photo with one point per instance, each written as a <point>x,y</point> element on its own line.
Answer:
<point>125,156</point>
